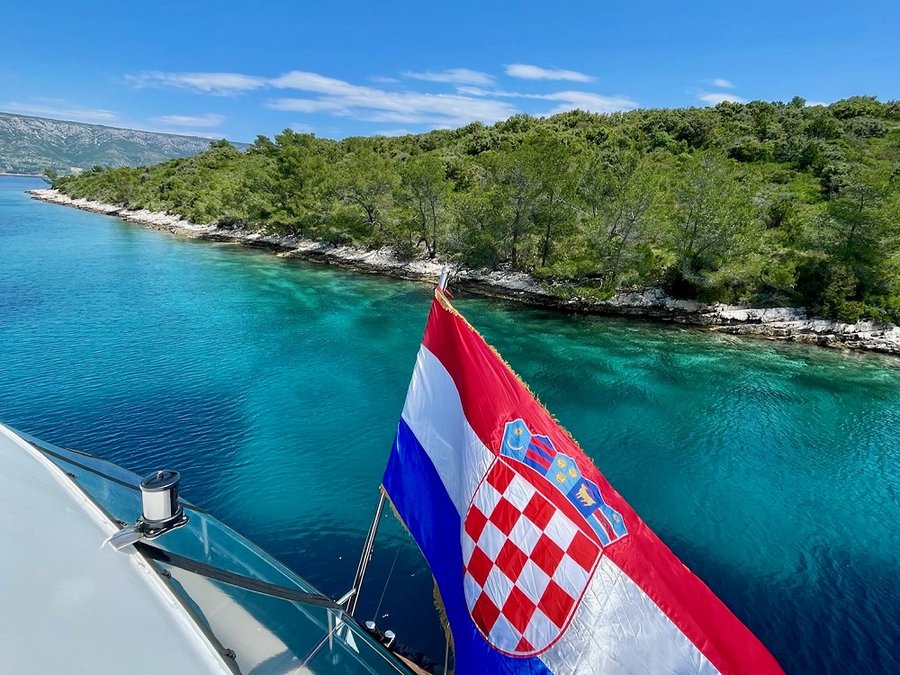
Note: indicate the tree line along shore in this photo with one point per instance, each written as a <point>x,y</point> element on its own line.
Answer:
<point>760,204</point>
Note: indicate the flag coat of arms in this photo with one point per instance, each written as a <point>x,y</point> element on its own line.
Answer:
<point>540,564</point>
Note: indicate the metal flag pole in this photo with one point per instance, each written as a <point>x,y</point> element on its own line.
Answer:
<point>366,556</point>
<point>352,596</point>
<point>442,281</point>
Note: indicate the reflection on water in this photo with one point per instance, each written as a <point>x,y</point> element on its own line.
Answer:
<point>275,386</point>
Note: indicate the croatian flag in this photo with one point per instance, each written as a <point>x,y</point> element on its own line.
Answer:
<point>541,566</point>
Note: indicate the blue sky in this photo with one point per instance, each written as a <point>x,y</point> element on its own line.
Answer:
<point>238,69</point>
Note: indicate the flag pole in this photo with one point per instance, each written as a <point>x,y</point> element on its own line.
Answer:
<point>352,597</point>
<point>366,556</point>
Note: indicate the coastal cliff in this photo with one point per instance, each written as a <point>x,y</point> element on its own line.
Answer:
<point>782,323</point>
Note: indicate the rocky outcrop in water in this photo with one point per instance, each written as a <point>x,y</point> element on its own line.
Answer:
<point>780,323</point>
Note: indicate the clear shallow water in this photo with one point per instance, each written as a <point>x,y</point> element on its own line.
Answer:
<point>773,471</point>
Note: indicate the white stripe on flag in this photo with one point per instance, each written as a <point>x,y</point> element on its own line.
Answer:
<point>434,413</point>
<point>617,628</point>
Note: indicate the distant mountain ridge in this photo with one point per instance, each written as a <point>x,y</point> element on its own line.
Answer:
<point>32,145</point>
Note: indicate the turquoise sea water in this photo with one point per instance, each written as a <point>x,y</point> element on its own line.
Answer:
<point>274,386</point>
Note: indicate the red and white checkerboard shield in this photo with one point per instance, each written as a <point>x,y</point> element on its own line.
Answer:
<point>528,555</point>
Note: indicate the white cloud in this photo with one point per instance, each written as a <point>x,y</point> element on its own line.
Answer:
<point>219,84</point>
<point>454,76</point>
<point>810,104</point>
<point>472,100</point>
<point>570,100</point>
<point>529,72</point>
<point>377,105</point>
<point>722,84</point>
<point>401,108</point>
<point>429,119</point>
<point>342,98</point>
<point>475,91</point>
<point>716,97</point>
<point>208,120</point>
<point>305,105</point>
<point>582,100</point>
<point>320,84</point>
<point>302,128</point>
<point>63,110</point>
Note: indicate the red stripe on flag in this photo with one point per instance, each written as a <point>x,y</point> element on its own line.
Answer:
<point>604,523</point>
<point>543,446</point>
<point>492,395</point>
<point>539,459</point>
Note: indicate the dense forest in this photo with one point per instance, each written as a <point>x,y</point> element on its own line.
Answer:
<point>759,203</point>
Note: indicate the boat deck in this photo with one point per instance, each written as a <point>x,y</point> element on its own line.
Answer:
<point>69,604</point>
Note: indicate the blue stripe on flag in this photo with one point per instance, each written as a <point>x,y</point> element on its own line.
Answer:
<point>541,451</point>
<point>422,501</point>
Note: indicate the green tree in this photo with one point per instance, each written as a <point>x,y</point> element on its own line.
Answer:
<point>516,187</point>
<point>551,165</point>
<point>297,181</point>
<point>424,188</point>
<point>862,234</point>
<point>712,217</point>
<point>481,220</point>
<point>366,181</point>
<point>618,195</point>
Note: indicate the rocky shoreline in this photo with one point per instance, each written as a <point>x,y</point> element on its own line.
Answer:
<point>783,323</point>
